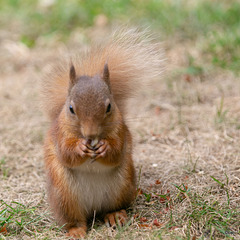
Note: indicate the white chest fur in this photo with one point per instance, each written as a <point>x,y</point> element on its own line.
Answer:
<point>97,186</point>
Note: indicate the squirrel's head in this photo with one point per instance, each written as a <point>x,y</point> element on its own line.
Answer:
<point>90,104</point>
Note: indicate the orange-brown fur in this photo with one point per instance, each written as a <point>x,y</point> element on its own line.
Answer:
<point>82,179</point>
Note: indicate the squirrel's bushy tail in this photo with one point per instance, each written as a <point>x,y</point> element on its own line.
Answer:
<point>132,59</point>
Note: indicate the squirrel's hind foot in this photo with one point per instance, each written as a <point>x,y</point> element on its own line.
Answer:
<point>77,232</point>
<point>116,218</point>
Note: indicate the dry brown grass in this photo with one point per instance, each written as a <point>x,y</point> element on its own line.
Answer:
<point>182,136</point>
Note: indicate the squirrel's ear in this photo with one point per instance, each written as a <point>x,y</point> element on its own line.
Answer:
<point>106,75</point>
<point>72,75</point>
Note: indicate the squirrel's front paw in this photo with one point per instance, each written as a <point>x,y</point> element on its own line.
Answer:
<point>83,149</point>
<point>102,149</point>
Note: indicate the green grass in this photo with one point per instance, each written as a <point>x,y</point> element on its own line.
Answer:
<point>203,215</point>
<point>4,171</point>
<point>225,49</point>
<point>18,218</point>
<point>221,113</point>
<point>216,24</point>
<point>212,218</point>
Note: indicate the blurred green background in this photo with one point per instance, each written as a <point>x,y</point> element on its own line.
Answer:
<point>214,25</point>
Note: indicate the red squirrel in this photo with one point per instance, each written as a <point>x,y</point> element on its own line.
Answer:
<point>88,148</point>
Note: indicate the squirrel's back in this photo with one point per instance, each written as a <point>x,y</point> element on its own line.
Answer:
<point>131,56</point>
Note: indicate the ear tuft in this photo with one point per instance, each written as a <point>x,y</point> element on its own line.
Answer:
<point>72,74</point>
<point>106,72</point>
<point>106,75</point>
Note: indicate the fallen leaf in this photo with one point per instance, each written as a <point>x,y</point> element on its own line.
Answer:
<point>162,200</point>
<point>3,229</point>
<point>157,182</point>
<point>156,223</point>
<point>143,219</point>
<point>139,191</point>
<point>135,215</point>
<point>187,78</point>
<point>144,225</point>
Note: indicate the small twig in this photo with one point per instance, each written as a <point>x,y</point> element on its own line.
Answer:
<point>94,216</point>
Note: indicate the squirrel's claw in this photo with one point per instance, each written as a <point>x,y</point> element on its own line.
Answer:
<point>103,149</point>
<point>84,151</point>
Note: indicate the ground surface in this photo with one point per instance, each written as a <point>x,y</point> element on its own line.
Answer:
<point>186,149</point>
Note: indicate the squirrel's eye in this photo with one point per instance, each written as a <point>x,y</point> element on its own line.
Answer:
<point>108,108</point>
<point>71,109</point>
